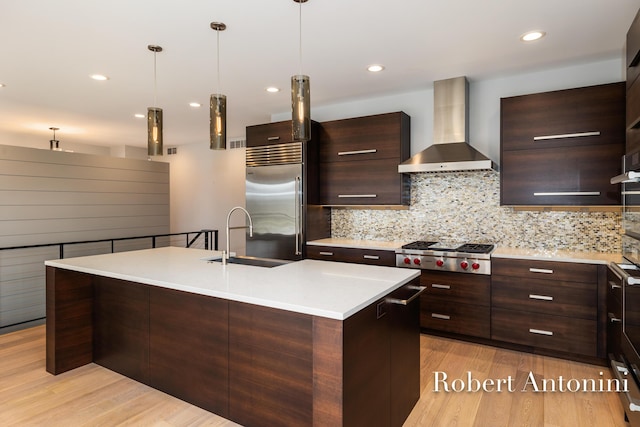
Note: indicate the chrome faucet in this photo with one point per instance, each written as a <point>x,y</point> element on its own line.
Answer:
<point>226,255</point>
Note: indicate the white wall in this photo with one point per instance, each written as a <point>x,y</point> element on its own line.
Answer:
<point>484,102</point>
<point>205,185</point>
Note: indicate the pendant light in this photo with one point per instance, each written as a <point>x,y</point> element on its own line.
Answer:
<point>53,143</point>
<point>154,114</point>
<point>218,104</point>
<point>300,98</point>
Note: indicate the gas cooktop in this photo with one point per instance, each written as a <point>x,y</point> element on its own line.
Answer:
<point>469,248</point>
<point>446,256</point>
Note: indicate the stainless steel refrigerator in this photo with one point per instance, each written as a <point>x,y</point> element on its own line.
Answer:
<point>277,199</point>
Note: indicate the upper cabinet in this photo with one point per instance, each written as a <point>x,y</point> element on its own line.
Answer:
<point>562,147</point>
<point>633,86</point>
<point>274,133</point>
<point>359,160</point>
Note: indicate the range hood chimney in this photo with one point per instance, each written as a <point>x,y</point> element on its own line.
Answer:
<point>450,150</point>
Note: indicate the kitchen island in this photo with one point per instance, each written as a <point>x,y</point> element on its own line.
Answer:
<point>304,343</point>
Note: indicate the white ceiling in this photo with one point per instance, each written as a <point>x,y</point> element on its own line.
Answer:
<point>49,48</point>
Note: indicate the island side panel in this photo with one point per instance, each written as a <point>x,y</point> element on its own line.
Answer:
<point>270,366</point>
<point>327,372</point>
<point>69,327</point>
<point>189,348</point>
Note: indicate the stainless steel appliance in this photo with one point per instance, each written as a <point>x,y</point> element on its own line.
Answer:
<point>624,329</point>
<point>461,258</point>
<point>275,198</point>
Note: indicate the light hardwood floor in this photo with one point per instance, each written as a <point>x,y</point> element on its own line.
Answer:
<point>94,396</point>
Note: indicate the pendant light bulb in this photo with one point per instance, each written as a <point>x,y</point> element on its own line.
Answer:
<point>218,104</point>
<point>300,98</point>
<point>154,114</point>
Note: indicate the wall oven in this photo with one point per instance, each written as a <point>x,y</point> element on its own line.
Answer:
<point>624,294</point>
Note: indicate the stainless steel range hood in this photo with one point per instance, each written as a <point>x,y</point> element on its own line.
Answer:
<point>450,150</point>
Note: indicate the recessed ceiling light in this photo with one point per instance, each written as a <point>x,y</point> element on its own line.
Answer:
<point>272,89</point>
<point>139,116</point>
<point>375,68</point>
<point>2,85</point>
<point>99,77</point>
<point>194,104</point>
<point>530,36</point>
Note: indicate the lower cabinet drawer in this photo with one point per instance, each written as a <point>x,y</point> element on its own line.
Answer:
<point>354,255</point>
<point>546,331</point>
<point>455,317</point>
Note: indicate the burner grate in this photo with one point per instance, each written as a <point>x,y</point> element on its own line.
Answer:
<point>475,248</point>
<point>419,245</point>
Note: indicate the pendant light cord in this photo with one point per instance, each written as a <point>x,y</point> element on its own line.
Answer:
<point>300,32</point>
<point>218,57</point>
<point>155,79</point>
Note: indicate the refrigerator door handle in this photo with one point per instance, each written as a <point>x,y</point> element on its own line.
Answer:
<point>298,215</point>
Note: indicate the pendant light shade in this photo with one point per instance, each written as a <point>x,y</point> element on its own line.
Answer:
<point>154,114</point>
<point>300,98</point>
<point>218,104</point>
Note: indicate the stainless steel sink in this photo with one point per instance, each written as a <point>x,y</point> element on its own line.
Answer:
<point>254,261</point>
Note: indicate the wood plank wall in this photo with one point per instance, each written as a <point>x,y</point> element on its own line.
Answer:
<point>52,196</point>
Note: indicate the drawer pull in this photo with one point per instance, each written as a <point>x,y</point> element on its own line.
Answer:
<point>349,153</point>
<point>376,257</point>
<point>419,289</point>
<point>614,319</point>
<point>569,193</point>
<point>541,270</point>
<point>565,136</point>
<point>541,297</point>
<point>439,286</point>
<point>540,332</point>
<point>326,253</point>
<point>273,138</point>
<point>614,285</point>
<point>356,196</point>
<point>440,316</point>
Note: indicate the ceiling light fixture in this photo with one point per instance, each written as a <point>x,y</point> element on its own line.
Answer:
<point>139,116</point>
<point>218,104</point>
<point>375,68</point>
<point>154,114</point>
<point>194,104</point>
<point>300,98</point>
<point>530,36</point>
<point>54,143</point>
<point>99,77</point>
<point>2,85</point>
<point>272,89</point>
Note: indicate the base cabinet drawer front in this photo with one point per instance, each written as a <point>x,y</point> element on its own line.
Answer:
<point>549,270</point>
<point>545,331</point>
<point>354,255</point>
<point>457,287</point>
<point>571,299</point>
<point>466,319</point>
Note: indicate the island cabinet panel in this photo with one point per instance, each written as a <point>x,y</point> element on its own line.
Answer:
<point>456,303</point>
<point>549,305</point>
<point>354,255</point>
<point>121,327</point>
<point>189,347</point>
<point>562,147</point>
<point>270,366</point>
<point>69,320</point>
<point>359,160</point>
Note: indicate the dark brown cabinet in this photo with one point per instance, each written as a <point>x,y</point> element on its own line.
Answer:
<point>456,302</point>
<point>562,147</point>
<point>545,304</point>
<point>359,160</point>
<point>614,313</point>
<point>354,255</point>
<point>633,87</point>
<point>274,133</point>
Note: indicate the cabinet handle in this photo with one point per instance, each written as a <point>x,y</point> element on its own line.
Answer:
<point>370,257</point>
<point>614,285</point>
<point>614,319</point>
<point>349,153</point>
<point>440,316</point>
<point>419,289</point>
<point>273,138</point>
<point>540,332</point>
<point>347,196</point>
<point>326,253</point>
<point>565,136</point>
<point>541,297</point>
<point>569,193</point>
<point>439,286</point>
<point>541,270</point>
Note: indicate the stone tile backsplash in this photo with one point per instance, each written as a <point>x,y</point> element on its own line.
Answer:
<point>465,207</point>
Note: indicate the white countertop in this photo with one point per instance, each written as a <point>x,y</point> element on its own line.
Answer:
<point>557,255</point>
<point>358,244</point>
<point>320,288</point>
